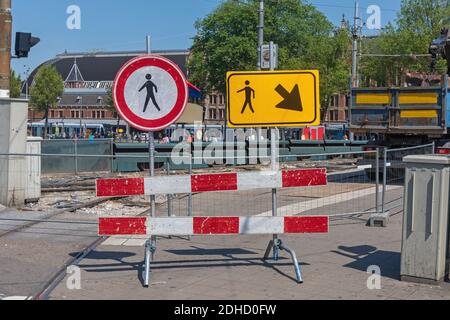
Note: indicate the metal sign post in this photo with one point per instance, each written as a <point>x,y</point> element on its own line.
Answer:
<point>273,140</point>
<point>150,93</point>
<point>150,245</point>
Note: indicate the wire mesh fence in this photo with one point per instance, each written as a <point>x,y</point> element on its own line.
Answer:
<point>353,180</point>
<point>393,173</point>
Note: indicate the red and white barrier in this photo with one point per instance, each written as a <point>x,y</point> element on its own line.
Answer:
<point>211,182</point>
<point>190,226</point>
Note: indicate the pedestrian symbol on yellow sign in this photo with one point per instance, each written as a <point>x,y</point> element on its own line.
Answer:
<point>249,92</point>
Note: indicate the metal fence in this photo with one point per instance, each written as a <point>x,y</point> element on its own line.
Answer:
<point>394,173</point>
<point>59,152</point>
<point>359,183</point>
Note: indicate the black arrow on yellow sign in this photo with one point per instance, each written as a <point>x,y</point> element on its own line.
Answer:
<point>292,101</point>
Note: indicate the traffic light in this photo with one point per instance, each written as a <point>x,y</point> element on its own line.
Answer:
<point>24,42</point>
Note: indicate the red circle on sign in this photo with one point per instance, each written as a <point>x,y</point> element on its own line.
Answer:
<point>118,92</point>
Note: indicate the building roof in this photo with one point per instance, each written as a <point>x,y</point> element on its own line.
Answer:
<point>103,66</point>
<point>82,100</point>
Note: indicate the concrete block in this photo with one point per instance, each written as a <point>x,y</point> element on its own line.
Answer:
<point>379,220</point>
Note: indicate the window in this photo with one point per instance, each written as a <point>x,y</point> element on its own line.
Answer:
<point>61,113</point>
<point>215,100</point>
<point>221,99</point>
<point>75,114</point>
<point>222,114</point>
<point>102,114</point>
<point>210,114</point>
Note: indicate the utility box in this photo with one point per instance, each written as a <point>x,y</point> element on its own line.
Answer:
<point>13,146</point>
<point>425,222</point>
<point>33,187</point>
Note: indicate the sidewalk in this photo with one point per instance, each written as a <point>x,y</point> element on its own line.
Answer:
<point>334,267</point>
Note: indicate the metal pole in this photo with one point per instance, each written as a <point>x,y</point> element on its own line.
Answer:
<point>149,44</point>
<point>260,32</point>
<point>260,44</point>
<point>273,155</point>
<point>112,155</point>
<point>151,148</point>
<point>355,78</point>
<point>190,194</point>
<point>169,196</point>
<point>383,196</point>
<point>150,246</point>
<point>5,48</point>
<point>377,180</point>
<point>75,141</point>
<point>298,270</point>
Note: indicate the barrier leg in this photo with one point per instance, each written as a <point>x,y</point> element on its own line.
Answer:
<point>149,255</point>
<point>277,245</point>
<point>270,246</point>
<point>298,270</point>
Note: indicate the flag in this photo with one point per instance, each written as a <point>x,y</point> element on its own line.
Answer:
<point>194,92</point>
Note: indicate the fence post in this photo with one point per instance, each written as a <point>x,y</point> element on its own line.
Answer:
<point>169,197</point>
<point>190,194</point>
<point>377,180</point>
<point>75,141</point>
<point>383,196</point>
<point>112,155</point>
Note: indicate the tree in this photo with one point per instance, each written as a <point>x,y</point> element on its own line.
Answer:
<point>48,86</point>
<point>110,105</point>
<point>16,83</point>
<point>417,24</point>
<point>227,40</point>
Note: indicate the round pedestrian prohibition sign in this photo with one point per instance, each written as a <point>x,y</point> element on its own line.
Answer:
<point>150,93</point>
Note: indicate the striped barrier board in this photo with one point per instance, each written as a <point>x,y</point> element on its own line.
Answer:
<point>210,182</point>
<point>191,226</point>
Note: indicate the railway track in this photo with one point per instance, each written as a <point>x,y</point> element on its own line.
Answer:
<point>43,292</point>
<point>56,213</point>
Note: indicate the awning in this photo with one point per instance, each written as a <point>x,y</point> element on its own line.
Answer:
<point>192,114</point>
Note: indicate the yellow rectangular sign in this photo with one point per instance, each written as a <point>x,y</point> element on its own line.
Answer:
<point>418,114</point>
<point>373,98</point>
<point>273,99</point>
<point>418,98</point>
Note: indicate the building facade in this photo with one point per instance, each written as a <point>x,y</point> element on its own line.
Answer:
<point>89,76</point>
<point>214,104</point>
<point>338,107</point>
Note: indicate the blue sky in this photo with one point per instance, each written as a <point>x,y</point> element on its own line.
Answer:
<point>113,25</point>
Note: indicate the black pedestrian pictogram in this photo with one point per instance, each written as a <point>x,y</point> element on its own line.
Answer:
<point>151,90</point>
<point>292,100</point>
<point>249,92</point>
